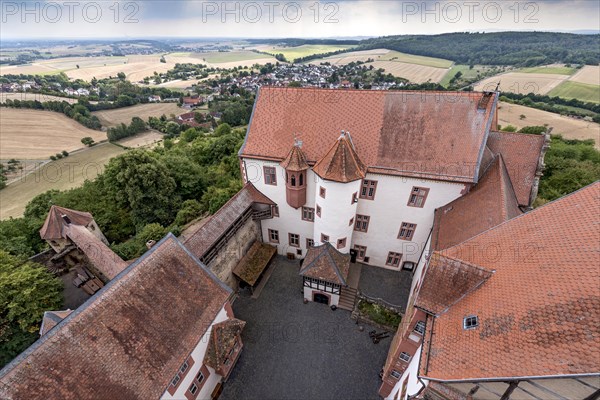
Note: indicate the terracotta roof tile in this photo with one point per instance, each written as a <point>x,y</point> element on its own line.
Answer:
<point>326,263</point>
<point>295,160</point>
<point>203,239</point>
<point>540,307</point>
<point>99,254</point>
<point>51,319</point>
<point>129,339</point>
<point>448,281</point>
<point>222,339</point>
<point>490,202</point>
<point>440,134</point>
<point>341,163</point>
<point>54,224</point>
<point>522,154</point>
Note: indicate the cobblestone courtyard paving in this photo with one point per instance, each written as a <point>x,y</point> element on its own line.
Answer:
<point>298,351</point>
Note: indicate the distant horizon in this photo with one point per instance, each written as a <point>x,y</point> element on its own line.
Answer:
<point>586,32</point>
<point>52,20</point>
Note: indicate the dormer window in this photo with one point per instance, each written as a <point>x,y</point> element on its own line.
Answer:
<point>471,322</point>
<point>420,327</point>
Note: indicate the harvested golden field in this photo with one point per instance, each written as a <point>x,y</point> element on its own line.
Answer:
<point>63,174</point>
<point>589,74</point>
<point>413,72</point>
<point>521,82</point>
<point>35,96</point>
<point>36,135</point>
<point>570,128</point>
<point>142,139</point>
<point>28,69</point>
<point>110,118</point>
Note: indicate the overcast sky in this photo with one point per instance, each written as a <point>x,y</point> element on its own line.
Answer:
<point>316,19</point>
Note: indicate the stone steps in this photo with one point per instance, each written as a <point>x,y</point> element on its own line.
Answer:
<point>347,299</point>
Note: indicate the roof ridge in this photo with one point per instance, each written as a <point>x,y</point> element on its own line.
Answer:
<point>535,210</point>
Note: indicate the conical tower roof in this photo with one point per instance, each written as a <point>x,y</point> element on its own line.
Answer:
<point>54,225</point>
<point>295,160</point>
<point>341,163</point>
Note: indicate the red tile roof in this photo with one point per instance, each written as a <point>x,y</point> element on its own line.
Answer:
<point>326,263</point>
<point>129,339</point>
<point>489,203</point>
<point>222,339</point>
<point>218,224</point>
<point>541,305</point>
<point>440,135</point>
<point>99,254</point>
<point>295,160</point>
<point>51,319</point>
<point>54,224</point>
<point>341,163</point>
<point>523,155</point>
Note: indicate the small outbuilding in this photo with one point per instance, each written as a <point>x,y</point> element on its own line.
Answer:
<point>324,272</point>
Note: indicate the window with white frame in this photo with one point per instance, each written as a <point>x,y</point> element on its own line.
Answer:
<point>396,374</point>
<point>405,357</point>
<point>471,322</point>
<point>420,327</point>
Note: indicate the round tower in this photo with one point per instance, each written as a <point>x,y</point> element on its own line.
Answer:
<point>339,172</point>
<point>295,176</point>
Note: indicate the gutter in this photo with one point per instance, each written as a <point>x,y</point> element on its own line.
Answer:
<point>511,378</point>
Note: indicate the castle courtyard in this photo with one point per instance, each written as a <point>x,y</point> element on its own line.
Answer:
<point>294,350</point>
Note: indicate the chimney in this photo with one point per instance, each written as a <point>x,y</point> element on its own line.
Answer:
<point>150,244</point>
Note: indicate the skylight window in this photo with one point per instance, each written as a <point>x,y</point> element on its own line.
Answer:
<point>471,322</point>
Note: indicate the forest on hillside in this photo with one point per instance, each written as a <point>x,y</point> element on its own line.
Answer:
<point>521,49</point>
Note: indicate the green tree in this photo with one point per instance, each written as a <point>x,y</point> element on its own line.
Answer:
<point>142,184</point>
<point>88,141</point>
<point>26,290</point>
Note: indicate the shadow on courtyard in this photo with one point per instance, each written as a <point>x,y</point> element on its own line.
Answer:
<point>294,350</point>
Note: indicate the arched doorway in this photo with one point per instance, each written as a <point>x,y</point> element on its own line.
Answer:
<point>320,298</point>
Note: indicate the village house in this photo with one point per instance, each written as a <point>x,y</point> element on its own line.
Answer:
<point>504,309</point>
<point>162,328</point>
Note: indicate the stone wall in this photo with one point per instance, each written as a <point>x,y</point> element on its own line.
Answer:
<point>233,251</point>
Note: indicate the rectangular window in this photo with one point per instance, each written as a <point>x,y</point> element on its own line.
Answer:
<point>322,191</point>
<point>308,214</point>
<point>417,197</point>
<point>294,240</point>
<point>396,374</point>
<point>310,243</point>
<point>405,357</point>
<point>184,367</point>
<point>299,252</point>
<point>351,221</point>
<point>420,327</point>
<point>273,236</point>
<point>341,243</point>
<point>275,211</point>
<point>361,251</point>
<point>471,322</point>
<point>367,190</point>
<point>393,259</point>
<point>193,388</point>
<point>408,265</point>
<point>318,211</point>
<point>362,223</point>
<point>324,238</point>
<point>354,198</point>
<point>175,380</point>
<point>407,230</point>
<point>270,175</point>
<point>200,377</point>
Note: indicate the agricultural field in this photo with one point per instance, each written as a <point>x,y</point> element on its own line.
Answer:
<point>577,90</point>
<point>63,174</point>
<point>413,72</point>
<point>522,82</point>
<point>220,57</point>
<point>589,74</point>
<point>35,96</point>
<point>413,59</point>
<point>36,135</point>
<point>465,70</point>
<point>292,53</point>
<point>142,139</point>
<point>110,118</point>
<point>553,69</point>
<point>569,128</point>
<point>352,56</point>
